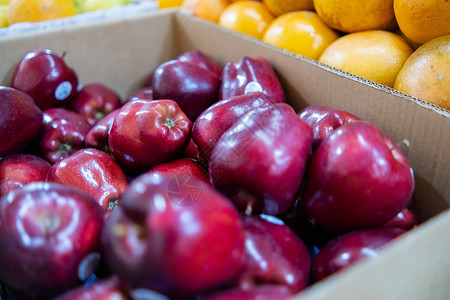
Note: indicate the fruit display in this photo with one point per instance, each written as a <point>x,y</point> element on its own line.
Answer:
<point>371,39</point>
<point>212,188</point>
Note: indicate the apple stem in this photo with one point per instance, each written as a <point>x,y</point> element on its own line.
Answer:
<point>249,208</point>
<point>63,54</point>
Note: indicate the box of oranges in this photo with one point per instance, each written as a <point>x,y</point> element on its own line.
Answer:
<point>376,40</point>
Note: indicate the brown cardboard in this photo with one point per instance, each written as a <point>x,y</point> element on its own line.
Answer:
<point>123,51</point>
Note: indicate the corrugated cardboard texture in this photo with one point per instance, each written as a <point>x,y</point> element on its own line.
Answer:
<point>122,52</point>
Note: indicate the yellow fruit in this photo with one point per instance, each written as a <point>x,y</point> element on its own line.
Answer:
<point>169,3</point>
<point>426,73</point>
<point>39,10</point>
<point>206,9</point>
<point>375,55</point>
<point>249,17</point>
<point>423,20</point>
<point>91,5</point>
<point>301,32</point>
<point>4,16</point>
<point>356,15</point>
<point>279,7</point>
<point>79,5</point>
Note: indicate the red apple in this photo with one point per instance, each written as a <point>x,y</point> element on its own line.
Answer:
<point>144,134</point>
<point>64,133</point>
<point>17,170</point>
<point>94,101</point>
<point>50,237</point>
<point>406,219</point>
<point>98,135</point>
<point>346,250</point>
<point>202,60</point>
<point>221,116</point>
<point>182,166</point>
<point>259,162</point>
<point>324,120</point>
<point>191,86</point>
<point>152,242</point>
<point>20,120</point>
<point>94,172</point>
<point>358,178</point>
<point>263,292</point>
<point>250,75</point>
<point>275,255</point>
<point>45,76</point>
<point>145,93</point>
<point>110,288</point>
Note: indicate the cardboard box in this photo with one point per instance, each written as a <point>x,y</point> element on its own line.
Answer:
<point>121,52</point>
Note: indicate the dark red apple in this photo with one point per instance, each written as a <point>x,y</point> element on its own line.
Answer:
<point>97,136</point>
<point>263,292</point>
<point>259,162</point>
<point>250,75</point>
<point>145,93</point>
<point>358,178</point>
<point>152,242</point>
<point>94,172</point>
<point>406,219</point>
<point>45,76</point>
<point>191,86</point>
<point>110,288</point>
<point>17,170</point>
<point>20,120</point>
<point>202,60</point>
<point>144,134</point>
<point>274,255</point>
<point>50,237</point>
<point>348,249</point>
<point>94,101</point>
<point>64,133</point>
<point>221,116</point>
<point>324,120</point>
<point>182,168</point>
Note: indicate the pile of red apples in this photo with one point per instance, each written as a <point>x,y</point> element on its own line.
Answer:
<point>203,184</point>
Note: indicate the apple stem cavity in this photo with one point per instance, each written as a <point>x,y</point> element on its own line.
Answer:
<point>65,148</point>
<point>169,123</point>
<point>99,115</point>
<point>51,224</point>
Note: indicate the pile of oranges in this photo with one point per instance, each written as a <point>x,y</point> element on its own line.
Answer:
<point>17,11</point>
<point>402,44</point>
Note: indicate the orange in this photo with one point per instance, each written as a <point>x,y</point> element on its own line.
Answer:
<point>423,20</point>
<point>279,7</point>
<point>206,9</point>
<point>356,15</point>
<point>4,16</point>
<point>301,32</point>
<point>249,17</point>
<point>375,55</point>
<point>39,10</point>
<point>169,3</point>
<point>426,73</point>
